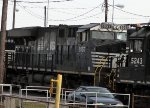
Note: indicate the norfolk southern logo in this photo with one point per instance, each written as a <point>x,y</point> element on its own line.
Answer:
<point>114,26</point>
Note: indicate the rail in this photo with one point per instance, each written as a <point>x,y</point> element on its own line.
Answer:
<point>47,88</point>
<point>137,101</point>
<point>102,62</point>
<point>10,88</point>
<point>140,101</point>
<point>39,90</point>
<point>96,103</point>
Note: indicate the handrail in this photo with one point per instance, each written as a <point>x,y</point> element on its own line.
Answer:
<point>26,92</point>
<point>113,84</point>
<point>96,103</point>
<point>10,87</point>
<point>47,88</point>
<point>109,80</point>
<point>101,64</point>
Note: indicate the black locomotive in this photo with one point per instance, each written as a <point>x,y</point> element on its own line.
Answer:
<point>136,75</point>
<point>138,57</point>
<point>94,54</point>
<point>34,55</point>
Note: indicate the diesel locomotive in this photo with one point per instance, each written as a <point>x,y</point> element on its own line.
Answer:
<point>136,75</point>
<point>34,55</point>
<point>106,54</point>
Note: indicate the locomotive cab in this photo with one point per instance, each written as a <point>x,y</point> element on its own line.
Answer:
<point>138,57</point>
<point>136,52</point>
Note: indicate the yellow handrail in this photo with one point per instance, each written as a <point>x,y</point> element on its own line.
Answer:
<point>113,85</point>
<point>101,64</point>
<point>111,82</point>
<point>110,75</point>
<point>51,86</point>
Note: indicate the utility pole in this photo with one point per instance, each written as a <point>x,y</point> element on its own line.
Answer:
<point>113,12</point>
<point>3,39</point>
<point>106,10</point>
<point>47,14</point>
<point>14,14</point>
<point>44,16</point>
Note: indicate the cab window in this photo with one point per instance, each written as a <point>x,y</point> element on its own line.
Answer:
<point>136,46</point>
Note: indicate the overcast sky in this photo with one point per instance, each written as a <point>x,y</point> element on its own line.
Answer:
<point>76,12</point>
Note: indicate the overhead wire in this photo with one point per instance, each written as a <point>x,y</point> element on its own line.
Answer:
<point>82,13</point>
<point>132,18</point>
<point>128,12</point>
<point>72,18</point>
<point>91,16</point>
<point>31,13</point>
<point>21,1</point>
<point>69,19</point>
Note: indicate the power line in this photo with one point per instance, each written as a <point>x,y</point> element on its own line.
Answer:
<point>131,18</point>
<point>87,17</point>
<point>130,12</point>
<point>83,13</point>
<point>31,13</point>
<point>69,19</point>
<point>75,8</point>
<point>41,1</point>
<point>91,16</point>
<point>64,12</point>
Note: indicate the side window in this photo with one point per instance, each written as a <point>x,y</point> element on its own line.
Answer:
<point>74,32</point>
<point>85,36</point>
<point>80,37</point>
<point>131,45</point>
<point>138,46</point>
<point>148,44</point>
<point>61,32</point>
<point>69,32</point>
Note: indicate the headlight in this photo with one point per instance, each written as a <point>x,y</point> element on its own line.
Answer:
<point>131,50</point>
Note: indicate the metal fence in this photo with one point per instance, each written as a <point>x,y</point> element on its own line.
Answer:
<point>46,90</point>
<point>74,102</point>
<point>9,88</point>
<point>25,98</point>
<point>10,101</point>
<point>139,101</point>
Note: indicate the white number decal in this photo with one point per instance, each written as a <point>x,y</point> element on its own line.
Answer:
<point>136,60</point>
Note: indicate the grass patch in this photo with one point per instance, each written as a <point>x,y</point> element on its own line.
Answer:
<point>33,105</point>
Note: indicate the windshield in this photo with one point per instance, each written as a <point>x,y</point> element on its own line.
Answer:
<point>102,35</point>
<point>122,36</point>
<point>136,45</point>
<point>102,92</point>
<point>109,35</point>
